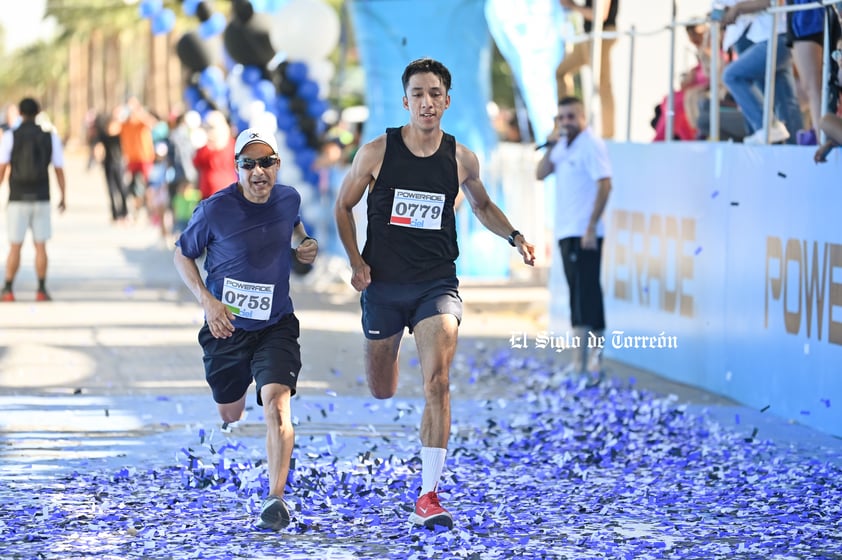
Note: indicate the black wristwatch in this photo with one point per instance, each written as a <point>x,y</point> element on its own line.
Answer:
<point>512,236</point>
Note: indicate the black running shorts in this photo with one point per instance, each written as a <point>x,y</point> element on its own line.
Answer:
<point>388,307</point>
<point>270,355</point>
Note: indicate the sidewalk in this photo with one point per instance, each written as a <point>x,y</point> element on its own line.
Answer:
<point>110,447</point>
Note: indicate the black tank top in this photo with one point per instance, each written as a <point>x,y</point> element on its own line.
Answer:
<point>411,234</point>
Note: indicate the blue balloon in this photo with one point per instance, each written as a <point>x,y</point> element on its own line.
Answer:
<point>296,72</point>
<point>202,107</point>
<point>163,22</point>
<point>317,107</point>
<point>213,26</point>
<point>308,90</point>
<point>264,90</point>
<point>296,140</point>
<point>189,7</point>
<point>149,8</point>
<point>311,177</point>
<point>286,122</point>
<point>260,6</point>
<point>305,157</point>
<point>212,80</point>
<point>281,105</point>
<point>252,75</point>
<point>191,96</point>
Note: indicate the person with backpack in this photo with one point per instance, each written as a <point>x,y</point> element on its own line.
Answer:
<point>29,150</point>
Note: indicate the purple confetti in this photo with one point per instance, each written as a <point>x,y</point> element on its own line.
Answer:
<point>557,468</point>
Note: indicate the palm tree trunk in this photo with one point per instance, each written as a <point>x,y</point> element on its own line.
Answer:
<point>77,77</point>
<point>96,89</point>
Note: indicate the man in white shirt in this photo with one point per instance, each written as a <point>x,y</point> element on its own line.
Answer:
<point>580,162</point>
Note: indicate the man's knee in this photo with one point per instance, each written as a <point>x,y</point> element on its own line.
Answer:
<point>437,383</point>
<point>382,379</point>
<point>276,405</point>
<point>232,412</point>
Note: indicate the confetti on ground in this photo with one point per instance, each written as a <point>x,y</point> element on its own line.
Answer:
<point>560,469</point>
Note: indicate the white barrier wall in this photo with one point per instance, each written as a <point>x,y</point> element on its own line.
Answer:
<point>733,254</point>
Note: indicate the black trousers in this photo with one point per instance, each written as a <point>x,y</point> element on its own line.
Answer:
<point>582,269</point>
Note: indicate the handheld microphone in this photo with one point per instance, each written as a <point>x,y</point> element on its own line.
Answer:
<point>549,143</point>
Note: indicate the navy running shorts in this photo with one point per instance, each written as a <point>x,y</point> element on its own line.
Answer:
<point>389,307</point>
<point>269,355</point>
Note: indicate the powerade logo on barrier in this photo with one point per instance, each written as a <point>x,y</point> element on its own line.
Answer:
<point>652,260</point>
<point>800,283</point>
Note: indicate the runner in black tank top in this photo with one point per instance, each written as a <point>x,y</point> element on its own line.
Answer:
<point>407,272</point>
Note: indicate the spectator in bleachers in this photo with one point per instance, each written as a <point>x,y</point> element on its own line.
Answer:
<point>695,83</point>
<point>581,55</point>
<point>745,76</point>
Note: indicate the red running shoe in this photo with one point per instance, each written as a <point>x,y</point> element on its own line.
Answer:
<point>41,295</point>
<point>429,513</point>
<point>7,296</point>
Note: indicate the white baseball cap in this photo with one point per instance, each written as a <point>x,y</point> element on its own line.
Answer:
<point>250,135</point>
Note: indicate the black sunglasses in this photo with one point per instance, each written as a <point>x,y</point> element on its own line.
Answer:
<point>264,162</point>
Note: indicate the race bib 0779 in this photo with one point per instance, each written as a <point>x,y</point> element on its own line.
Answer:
<point>249,300</point>
<point>417,209</point>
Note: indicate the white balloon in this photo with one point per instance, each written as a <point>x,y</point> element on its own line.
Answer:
<point>306,30</point>
<point>240,94</point>
<point>251,109</point>
<point>290,173</point>
<point>235,74</point>
<point>285,153</point>
<point>321,72</point>
<point>308,194</point>
<point>265,121</point>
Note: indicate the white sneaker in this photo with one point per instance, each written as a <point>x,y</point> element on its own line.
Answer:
<point>778,133</point>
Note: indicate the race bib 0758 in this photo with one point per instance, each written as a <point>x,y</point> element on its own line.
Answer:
<point>417,209</point>
<point>249,300</point>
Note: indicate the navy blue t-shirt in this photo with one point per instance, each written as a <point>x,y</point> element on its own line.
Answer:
<point>249,245</point>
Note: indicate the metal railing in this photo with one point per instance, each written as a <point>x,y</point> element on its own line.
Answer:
<point>597,34</point>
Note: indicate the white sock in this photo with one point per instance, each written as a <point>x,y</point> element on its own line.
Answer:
<point>432,465</point>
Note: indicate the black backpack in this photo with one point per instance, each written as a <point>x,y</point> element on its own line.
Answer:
<point>32,151</point>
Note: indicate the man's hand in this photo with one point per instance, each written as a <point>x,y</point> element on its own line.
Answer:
<point>821,153</point>
<point>361,276</point>
<point>589,239</point>
<point>219,318</point>
<point>306,252</point>
<point>61,205</point>
<point>526,250</point>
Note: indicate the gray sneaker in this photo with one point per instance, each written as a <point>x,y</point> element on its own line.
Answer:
<point>274,514</point>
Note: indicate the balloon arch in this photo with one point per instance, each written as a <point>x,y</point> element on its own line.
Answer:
<point>276,70</point>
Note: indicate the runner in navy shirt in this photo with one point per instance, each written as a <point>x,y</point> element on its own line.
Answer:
<point>250,331</point>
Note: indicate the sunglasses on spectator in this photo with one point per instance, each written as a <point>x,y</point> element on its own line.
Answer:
<point>837,56</point>
<point>264,162</point>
